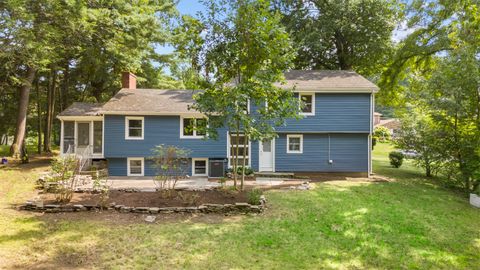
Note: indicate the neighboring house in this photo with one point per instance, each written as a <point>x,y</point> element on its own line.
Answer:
<point>392,124</point>
<point>333,136</point>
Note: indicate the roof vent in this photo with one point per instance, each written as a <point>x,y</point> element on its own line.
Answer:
<point>129,80</point>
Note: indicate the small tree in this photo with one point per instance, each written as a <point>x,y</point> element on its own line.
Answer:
<point>171,163</point>
<point>418,133</point>
<point>100,184</point>
<point>64,170</point>
<point>246,51</point>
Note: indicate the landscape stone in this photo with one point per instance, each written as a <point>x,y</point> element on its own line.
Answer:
<point>242,205</point>
<point>140,209</point>
<point>150,219</point>
<point>154,210</point>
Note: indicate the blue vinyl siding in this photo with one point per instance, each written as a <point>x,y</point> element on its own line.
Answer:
<point>349,153</point>
<point>345,116</point>
<point>333,113</point>
<point>158,130</point>
<point>118,167</point>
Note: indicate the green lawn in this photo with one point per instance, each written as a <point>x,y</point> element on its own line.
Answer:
<point>409,223</point>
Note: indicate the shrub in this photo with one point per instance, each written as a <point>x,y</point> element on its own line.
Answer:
<point>396,159</point>
<point>171,163</point>
<point>248,171</point>
<point>64,170</point>
<point>100,184</point>
<point>476,190</point>
<point>254,195</point>
<point>189,198</point>
<point>382,133</point>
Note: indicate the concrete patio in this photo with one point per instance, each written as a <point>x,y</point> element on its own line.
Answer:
<point>147,183</point>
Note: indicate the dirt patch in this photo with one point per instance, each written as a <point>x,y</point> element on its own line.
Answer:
<point>155,199</point>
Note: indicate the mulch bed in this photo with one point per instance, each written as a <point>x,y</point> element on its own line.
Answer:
<point>155,199</point>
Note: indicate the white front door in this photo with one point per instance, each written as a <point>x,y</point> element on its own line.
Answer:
<point>266,158</point>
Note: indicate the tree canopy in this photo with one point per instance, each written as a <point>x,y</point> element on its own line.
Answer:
<point>349,35</point>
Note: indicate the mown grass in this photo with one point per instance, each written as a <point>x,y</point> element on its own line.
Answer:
<point>408,223</point>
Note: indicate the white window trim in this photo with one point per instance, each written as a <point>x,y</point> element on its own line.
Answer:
<point>249,151</point>
<point>193,166</point>
<point>128,166</point>
<point>300,94</point>
<point>301,143</point>
<point>127,118</point>
<point>75,121</point>
<point>194,136</point>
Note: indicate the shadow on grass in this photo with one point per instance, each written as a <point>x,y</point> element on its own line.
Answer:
<point>334,226</point>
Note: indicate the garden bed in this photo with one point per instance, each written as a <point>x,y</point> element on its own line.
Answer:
<point>175,201</point>
<point>156,199</point>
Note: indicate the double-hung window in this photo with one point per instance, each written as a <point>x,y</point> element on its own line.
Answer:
<point>307,103</point>
<point>239,144</point>
<point>192,127</point>
<point>134,128</point>
<point>294,143</point>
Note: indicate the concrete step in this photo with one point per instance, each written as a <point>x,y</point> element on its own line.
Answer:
<point>274,174</point>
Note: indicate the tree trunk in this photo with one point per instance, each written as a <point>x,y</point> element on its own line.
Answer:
<point>16,148</point>
<point>428,170</point>
<point>47,146</point>
<point>97,90</point>
<point>243,161</point>
<point>64,93</point>
<point>342,51</point>
<point>39,120</point>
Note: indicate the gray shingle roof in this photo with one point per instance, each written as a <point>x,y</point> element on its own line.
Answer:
<point>82,109</point>
<point>151,101</point>
<point>337,80</point>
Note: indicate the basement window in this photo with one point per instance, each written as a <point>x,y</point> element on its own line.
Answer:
<point>135,167</point>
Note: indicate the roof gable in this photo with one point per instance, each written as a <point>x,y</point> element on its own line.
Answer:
<point>327,81</point>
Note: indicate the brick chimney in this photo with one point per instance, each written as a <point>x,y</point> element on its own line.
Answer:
<point>129,80</point>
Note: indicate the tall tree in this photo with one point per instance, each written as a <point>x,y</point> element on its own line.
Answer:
<point>76,50</point>
<point>246,50</point>
<point>454,99</point>
<point>341,34</point>
<point>25,44</point>
<point>437,28</point>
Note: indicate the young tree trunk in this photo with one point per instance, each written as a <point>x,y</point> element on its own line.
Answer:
<point>428,170</point>
<point>243,161</point>
<point>16,148</point>
<point>47,146</point>
<point>39,119</point>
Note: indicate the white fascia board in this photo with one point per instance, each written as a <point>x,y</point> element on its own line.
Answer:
<point>80,118</point>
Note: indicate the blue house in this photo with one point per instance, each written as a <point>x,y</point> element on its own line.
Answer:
<point>333,136</point>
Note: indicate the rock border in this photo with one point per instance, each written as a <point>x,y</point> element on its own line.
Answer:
<point>237,208</point>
